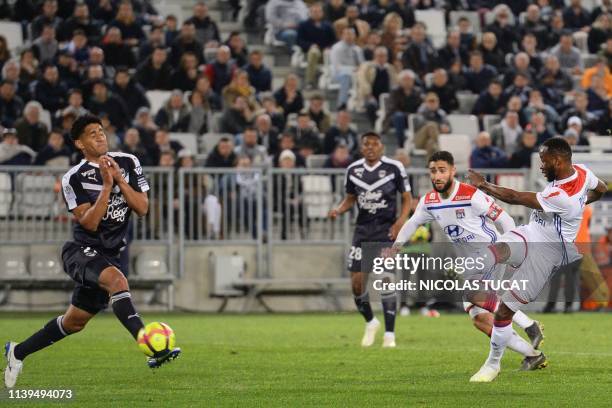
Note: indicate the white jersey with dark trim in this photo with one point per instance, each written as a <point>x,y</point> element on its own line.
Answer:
<point>376,188</point>
<point>83,183</point>
<point>467,215</point>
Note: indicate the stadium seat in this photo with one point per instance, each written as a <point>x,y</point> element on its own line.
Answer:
<point>488,121</point>
<point>436,25</point>
<point>208,141</point>
<point>13,33</point>
<point>298,59</point>
<point>464,124</point>
<point>460,145</point>
<point>35,195</point>
<point>13,262</point>
<point>600,143</point>
<point>318,196</point>
<point>46,265</point>
<point>165,8</point>
<point>473,16</point>
<point>151,264</point>
<point>6,194</point>
<point>157,99</point>
<point>383,106</point>
<point>516,182</point>
<point>467,100</point>
<point>316,161</point>
<point>188,140</point>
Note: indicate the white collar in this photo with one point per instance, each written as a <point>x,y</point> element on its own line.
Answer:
<point>368,168</point>
<point>567,179</point>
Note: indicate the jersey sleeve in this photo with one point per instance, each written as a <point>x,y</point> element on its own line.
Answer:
<point>591,179</point>
<point>401,180</point>
<point>349,186</point>
<point>484,205</point>
<point>553,200</point>
<point>421,216</point>
<point>137,179</point>
<point>73,192</point>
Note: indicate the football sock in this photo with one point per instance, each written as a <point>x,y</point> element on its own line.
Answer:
<point>363,306</point>
<point>389,304</point>
<point>521,346</point>
<point>52,332</point>
<point>502,332</point>
<point>126,313</point>
<point>522,320</point>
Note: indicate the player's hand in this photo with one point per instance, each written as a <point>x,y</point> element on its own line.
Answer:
<point>333,213</point>
<point>476,179</point>
<point>107,177</point>
<point>395,229</point>
<point>390,252</point>
<point>115,170</point>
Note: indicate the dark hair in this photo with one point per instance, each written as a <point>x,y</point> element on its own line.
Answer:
<point>79,125</point>
<point>371,134</point>
<point>496,82</point>
<point>558,146</point>
<point>442,155</point>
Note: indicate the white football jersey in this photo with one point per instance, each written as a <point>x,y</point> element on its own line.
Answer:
<point>466,216</point>
<point>562,204</point>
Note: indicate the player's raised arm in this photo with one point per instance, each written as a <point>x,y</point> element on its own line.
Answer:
<point>508,195</point>
<point>136,200</point>
<point>89,216</point>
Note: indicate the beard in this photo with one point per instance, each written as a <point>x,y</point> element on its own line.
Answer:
<point>550,175</point>
<point>443,189</point>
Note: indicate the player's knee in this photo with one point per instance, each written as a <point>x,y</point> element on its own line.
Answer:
<point>114,281</point>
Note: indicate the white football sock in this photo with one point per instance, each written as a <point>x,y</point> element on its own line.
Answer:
<point>499,340</point>
<point>521,346</point>
<point>522,320</point>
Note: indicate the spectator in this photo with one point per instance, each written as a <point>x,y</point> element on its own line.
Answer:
<point>55,153</point>
<point>268,103</point>
<point>554,83</point>
<point>478,75</point>
<point>236,117</point>
<point>68,70</point>
<point>267,135</point>
<point>46,46</point>
<point>374,40</point>
<point>536,104</point>
<point>468,39</point>
<point>11,105</point>
<point>287,142</point>
<point>339,159</point>
<point>132,145</point>
<point>186,42</point>
<point>452,51</point>
<point>104,11</point>
<point>555,30</point>
<point>174,115</point>
<point>237,48</point>
<point>334,10</point>
<point>167,159</point>
<point>198,116</point>
<point>28,67</point>
<point>48,17</point>
<point>540,128</point>
<point>373,79</point>
<point>222,155</point>
<point>341,133</point>
<point>580,109</point>
<point>529,47</point>
<point>239,86</point>
<point>521,66</point>
<point>515,104</point>
<point>80,20</point>
<point>206,28</point>
<point>132,93</point>
<point>492,53</point>
<point>490,102</point>
<point>574,134</point>
<point>485,155</point>
<point>597,96</point>
<point>520,87</point>
<point>155,71</point>
<point>289,188</point>
<point>185,77</point>
<point>361,28</point>
<point>405,10</point>
<point>403,100</point>
<point>345,58</point>
<point>116,51</point>
<point>49,91</point>
<point>318,114</point>
<point>314,36</point>
<point>420,56</point>
<point>251,149</point>
<point>75,102</point>
<point>171,28</point>
<point>144,123</point>
<point>599,33</point>
<point>506,134</point>
<point>521,158</point>
<point>289,97</point>
<point>284,16</point>
<point>220,71</point>
<point>260,76</point>
<point>604,124</point>
<point>569,56</point>
<point>12,152</point>
<point>576,17</point>
<point>445,91</point>
<point>164,144</point>
<point>606,51</point>
<point>306,135</point>
<point>602,70</point>
<point>431,121</point>
<point>156,39</point>
<point>104,101</point>
<point>534,25</point>
<point>125,20</point>
<point>390,37</point>
<point>371,13</point>
<point>210,100</point>
<point>503,30</point>
<point>31,131</point>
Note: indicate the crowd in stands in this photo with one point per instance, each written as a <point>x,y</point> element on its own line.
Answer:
<point>527,64</point>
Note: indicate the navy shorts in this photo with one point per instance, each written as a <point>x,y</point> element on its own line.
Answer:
<point>84,265</point>
<point>367,233</point>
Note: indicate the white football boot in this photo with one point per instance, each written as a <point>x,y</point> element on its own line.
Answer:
<point>370,332</point>
<point>485,374</point>
<point>389,340</point>
<point>13,367</point>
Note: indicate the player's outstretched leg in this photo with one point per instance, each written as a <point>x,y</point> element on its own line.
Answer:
<point>533,328</point>
<point>362,301</point>
<point>56,329</point>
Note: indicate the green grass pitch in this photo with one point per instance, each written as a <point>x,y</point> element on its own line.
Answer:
<point>315,360</point>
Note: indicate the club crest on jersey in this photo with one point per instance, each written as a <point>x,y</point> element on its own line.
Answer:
<point>88,251</point>
<point>460,213</point>
<point>382,173</point>
<point>359,172</point>
<point>90,175</point>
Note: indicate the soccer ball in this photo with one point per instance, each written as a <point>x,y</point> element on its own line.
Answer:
<point>156,339</point>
